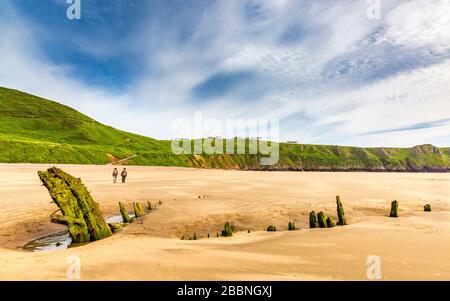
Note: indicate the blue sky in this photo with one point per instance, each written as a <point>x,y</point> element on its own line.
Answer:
<point>330,72</point>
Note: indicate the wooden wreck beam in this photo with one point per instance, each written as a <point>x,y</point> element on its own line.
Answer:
<point>81,213</point>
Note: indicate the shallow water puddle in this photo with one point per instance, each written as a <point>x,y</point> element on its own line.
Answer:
<point>61,240</point>
<point>117,218</point>
<point>54,241</point>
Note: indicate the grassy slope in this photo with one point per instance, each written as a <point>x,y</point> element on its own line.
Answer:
<point>37,130</point>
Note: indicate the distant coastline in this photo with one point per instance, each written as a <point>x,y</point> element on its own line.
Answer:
<point>37,130</point>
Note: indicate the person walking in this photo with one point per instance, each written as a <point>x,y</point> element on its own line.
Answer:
<point>124,175</point>
<point>115,174</point>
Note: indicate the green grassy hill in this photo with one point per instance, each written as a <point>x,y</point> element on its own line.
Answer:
<point>36,130</point>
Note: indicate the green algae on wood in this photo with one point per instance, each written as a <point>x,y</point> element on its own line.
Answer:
<point>71,216</point>
<point>394,209</point>
<point>322,219</point>
<point>271,228</point>
<point>330,223</point>
<point>115,227</point>
<point>138,210</point>
<point>228,229</point>
<point>313,220</point>
<point>80,212</point>
<point>124,212</point>
<point>291,226</point>
<point>340,212</point>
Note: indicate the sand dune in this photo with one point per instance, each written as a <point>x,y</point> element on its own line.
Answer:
<point>414,246</point>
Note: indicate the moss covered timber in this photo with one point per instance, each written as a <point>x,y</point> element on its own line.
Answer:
<point>80,212</point>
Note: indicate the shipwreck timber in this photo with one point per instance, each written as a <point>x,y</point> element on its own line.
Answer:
<point>80,212</point>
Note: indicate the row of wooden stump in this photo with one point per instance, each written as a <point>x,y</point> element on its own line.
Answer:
<point>138,211</point>
<point>322,221</point>
<point>127,219</point>
<point>315,220</point>
<point>394,209</point>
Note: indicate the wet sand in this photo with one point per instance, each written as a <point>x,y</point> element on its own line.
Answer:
<point>413,246</point>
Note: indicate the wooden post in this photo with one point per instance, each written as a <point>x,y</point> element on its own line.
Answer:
<point>125,216</point>
<point>228,229</point>
<point>322,220</point>
<point>340,212</point>
<point>138,209</point>
<point>271,228</point>
<point>394,209</point>
<point>291,226</point>
<point>330,223</point>
<point>313,220</point>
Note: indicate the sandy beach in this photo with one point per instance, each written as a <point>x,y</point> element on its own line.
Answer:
<point>414,246</point>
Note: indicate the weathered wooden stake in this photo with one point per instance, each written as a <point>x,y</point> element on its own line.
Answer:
<point>340,212</point>
<point>271,228</point>
<point>138,209</point>
<point>330,223</point>
<point>291,226</point>
<point>228,229</point>
<point>394,209</point>
<point>313,220</point>
<point>124,212</point>
<point>322,220</point>
<point>115,227</point>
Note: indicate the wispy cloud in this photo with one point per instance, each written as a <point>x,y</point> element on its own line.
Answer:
<point>411,127</point>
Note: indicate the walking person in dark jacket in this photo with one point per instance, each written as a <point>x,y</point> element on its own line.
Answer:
<point>115,174</point>
<point>124,175</point>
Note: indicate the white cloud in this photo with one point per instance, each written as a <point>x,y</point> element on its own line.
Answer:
<point>294,77</point>
<point>397,102</point>
<point>420,23</point>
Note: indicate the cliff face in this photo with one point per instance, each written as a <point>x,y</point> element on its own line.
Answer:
<point>300,157</point>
